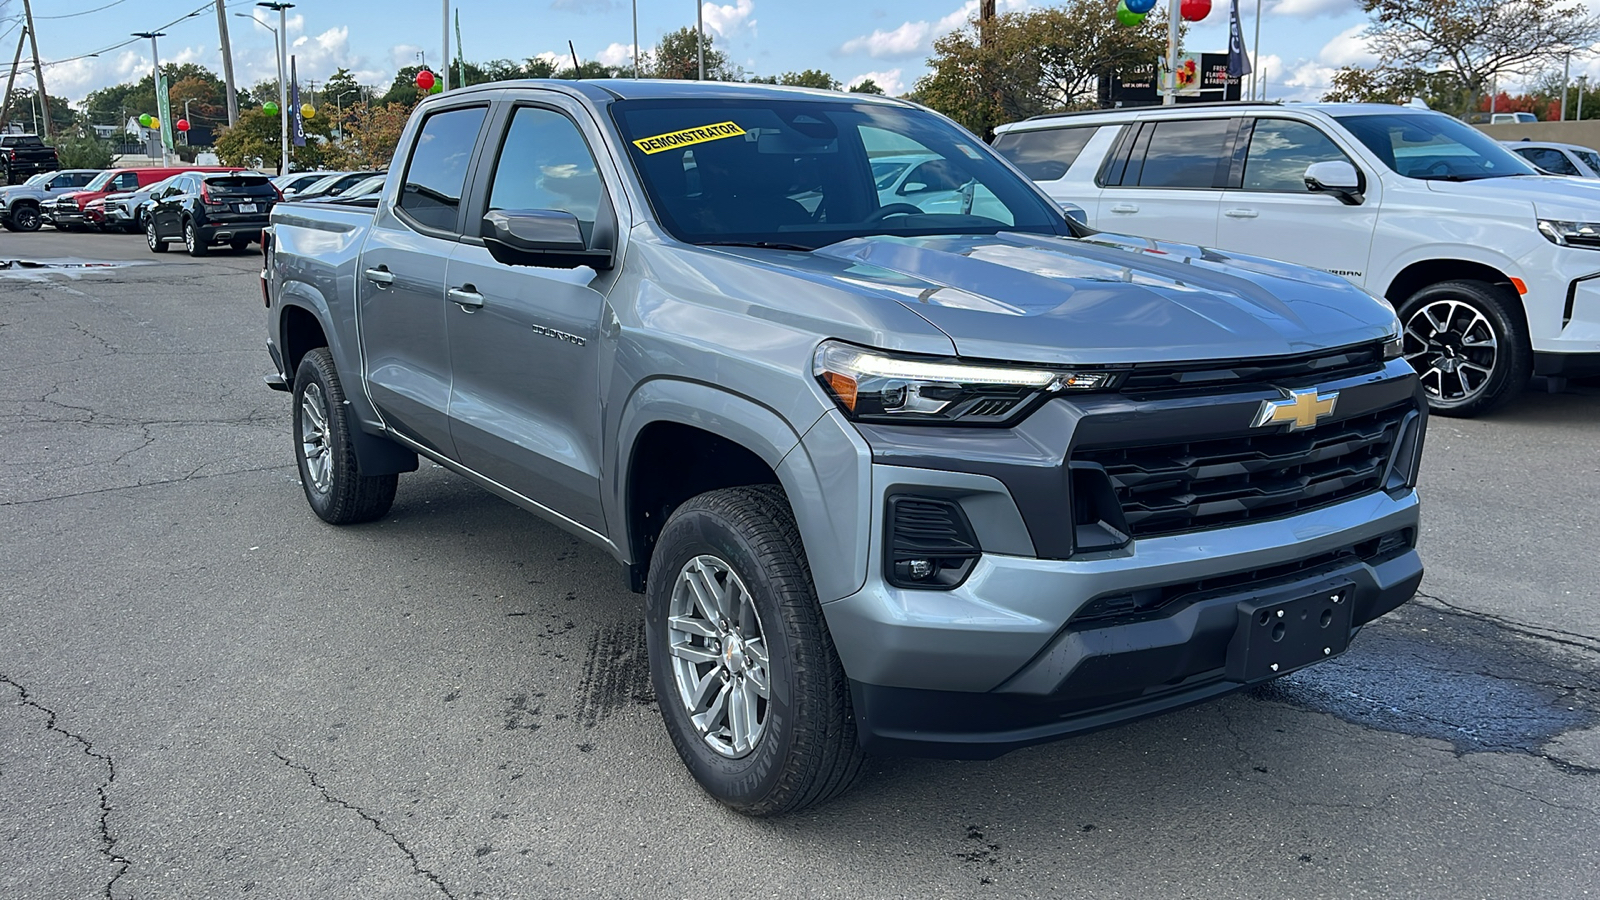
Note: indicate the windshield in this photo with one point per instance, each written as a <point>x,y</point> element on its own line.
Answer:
<point>100,181</point>
<point>39,178</point>
<point>1588,158</point>
<point>1434,147</point>
<point>807,173</point>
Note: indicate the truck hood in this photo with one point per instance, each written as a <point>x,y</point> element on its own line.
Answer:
<point>1552,196</point>
<point>1104,299</point>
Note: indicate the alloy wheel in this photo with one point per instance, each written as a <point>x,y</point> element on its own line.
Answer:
<point>719,656</point>
<point>26,218</point>
<point>150,234</point>
<point>1453,347</point>
<point>314,438</point>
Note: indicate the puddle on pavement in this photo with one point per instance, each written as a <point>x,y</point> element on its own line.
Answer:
<point>1452,677</point>
<point>33,268</point>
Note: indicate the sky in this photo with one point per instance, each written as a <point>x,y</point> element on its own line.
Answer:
<point>1302,41</point>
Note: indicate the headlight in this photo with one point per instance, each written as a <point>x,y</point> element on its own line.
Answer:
<point>1394,347</point>
<point>874,386</point>
<point>1571,234</point>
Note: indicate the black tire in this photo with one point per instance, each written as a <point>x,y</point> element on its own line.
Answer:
<point>192,240</point>
<point>27,218</point>
<point>807,752</point>
<point>239,245</point>
<point>346,497</point>
<point>1467,341</point>
<point>155,244</point>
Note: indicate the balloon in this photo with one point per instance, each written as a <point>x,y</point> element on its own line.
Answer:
<point>1142,7</point>
<point>1195,10</point>
<point>425,80</point>
<point>1126,16</point>
<point>308,112</point>
<point>145,119</point>
<point>155,123</point>
<point>270,108</point>
<point>438,88</point>
<point>183,125</point>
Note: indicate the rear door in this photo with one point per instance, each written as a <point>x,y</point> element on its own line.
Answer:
<point>1164,179</point>
<point>1064,162</point>
<point>1270,213</point>
<point>400,278</point>
<point>524,348</point>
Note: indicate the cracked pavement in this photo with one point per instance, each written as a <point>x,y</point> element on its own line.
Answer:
<point>205,692</point>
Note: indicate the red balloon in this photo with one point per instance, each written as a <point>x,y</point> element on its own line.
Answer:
<point>1194,10</point>
<point>425,78</point>
<point>183,124</point>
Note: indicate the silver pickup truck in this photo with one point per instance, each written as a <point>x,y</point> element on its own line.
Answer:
<point>917,469</point>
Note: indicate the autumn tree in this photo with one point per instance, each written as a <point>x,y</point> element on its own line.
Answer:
<point>254,141</point>
<point>371,134</point>
<point>1476,42</point>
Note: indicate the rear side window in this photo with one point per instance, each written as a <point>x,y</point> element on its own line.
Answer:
<point>437,172</point>
<point>1181,154</point>
<point>1548,160</point>
<point>1281,151</point>
<point>1044,155</point>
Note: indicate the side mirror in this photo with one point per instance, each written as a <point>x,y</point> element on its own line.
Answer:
<point>1337,177</point>
<point>1073,211</point>
<point>549,238</point>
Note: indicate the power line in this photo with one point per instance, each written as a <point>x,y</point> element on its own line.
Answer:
<point>120,45</point>
<point>85,12</point>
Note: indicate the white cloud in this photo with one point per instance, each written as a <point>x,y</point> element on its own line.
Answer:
<point>891,80</point>
<point>402,55</point>
<point>916,38</point>
<point>616,55</point>
<point>1348,48</point>
<point>1310,9</point>
<point>730,19</point>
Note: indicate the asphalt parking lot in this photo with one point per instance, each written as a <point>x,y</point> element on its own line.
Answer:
<point>205,692</point>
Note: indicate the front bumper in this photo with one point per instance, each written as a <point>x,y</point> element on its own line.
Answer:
<point>64,215</point>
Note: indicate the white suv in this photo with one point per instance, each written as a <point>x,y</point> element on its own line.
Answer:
<point>1494,269</point>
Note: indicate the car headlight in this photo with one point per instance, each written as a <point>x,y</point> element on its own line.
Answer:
<point>1571,234</point>
<point>875,386</point>
<point>1394,348</point>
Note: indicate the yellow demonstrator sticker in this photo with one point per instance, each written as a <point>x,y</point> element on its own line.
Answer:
<point>688,136</point>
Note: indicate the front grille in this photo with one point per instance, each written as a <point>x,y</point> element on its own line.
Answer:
<point>1322,366</point>
<point>1171,488</point>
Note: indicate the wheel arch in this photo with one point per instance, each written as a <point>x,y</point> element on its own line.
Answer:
<point>1422,273</point>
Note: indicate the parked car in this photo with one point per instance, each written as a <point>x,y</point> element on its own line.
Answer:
<point>24,155</point>
<point>202,209</point>
<point>295,182</point>
<point>1558,159</point>
<point>1492,266</point>
<point>370,188</point>
<point>66,212</point>
<point>1513,118</point>
<point>333,185</point>
<point>891,481</point>
<point>20,203</point>
<point>125,210</point>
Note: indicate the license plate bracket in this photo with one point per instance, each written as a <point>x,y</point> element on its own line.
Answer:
<point>247,207</point>
<point>1278,634</point>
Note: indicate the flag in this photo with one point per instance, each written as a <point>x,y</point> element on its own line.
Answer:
<point>297,130</point>
<point>164,112</point>
<point>1238,62</point>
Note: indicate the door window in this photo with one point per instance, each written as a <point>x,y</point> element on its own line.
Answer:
<point>1280,152</point>
<point>1549,160</point>
<point>1044,155</point>
<point>545,164</point>
<point>127,181</point>
<point>1181,154</point>
<point>437,173</point>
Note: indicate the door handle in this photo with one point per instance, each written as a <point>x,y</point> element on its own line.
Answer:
<point>1125,208</point>
<point>381,276</point>
<point>465,297</point>
<point>1241,213</point>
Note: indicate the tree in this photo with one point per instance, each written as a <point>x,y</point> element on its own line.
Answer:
<point>25,113</point>
<point>675,57</point>
<point>811,78</point>
<point>1440,90</point>
<point>254,141</point>
<point>341,89</point>
<point>1034,61</point>
<point>81,149</point>
<point>867,86</point>
<point>1476,42</point>
<point>370,136</point>
<point>403,90</point>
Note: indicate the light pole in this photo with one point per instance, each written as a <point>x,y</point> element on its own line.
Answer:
<point>186,119</point>
<point>155,81</point>
<point>1566,84</point>
<point>276,52</point>
<point>444,64</point>
<point>636,38</point>
<point>283,85</point>
<point>1583,85</point>
<point>1169,93</point>
<point>700,35</point>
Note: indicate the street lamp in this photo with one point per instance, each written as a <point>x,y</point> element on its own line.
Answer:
<point>277,52</point>
<point>283,85</point>
<point>155,82</point>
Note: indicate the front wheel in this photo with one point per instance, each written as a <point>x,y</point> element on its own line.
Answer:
<point>156,245</point>
<point>1467,344</point>
<point>27,218</point>
<point>337,491</point>
<point>745,673</point>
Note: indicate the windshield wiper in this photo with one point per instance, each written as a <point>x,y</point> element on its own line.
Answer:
<point>764,245</point>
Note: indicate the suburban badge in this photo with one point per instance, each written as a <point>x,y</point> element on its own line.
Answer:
<point>1299,409</point>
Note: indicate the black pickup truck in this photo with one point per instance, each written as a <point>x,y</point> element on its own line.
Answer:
<point>23,155</point>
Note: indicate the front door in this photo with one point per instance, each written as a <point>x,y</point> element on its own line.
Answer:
<point>400,281</point>
<point>524,341</point>
<point>1272,214</point>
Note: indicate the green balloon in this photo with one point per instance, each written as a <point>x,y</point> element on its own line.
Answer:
<point>270,108</point>
<point>145,120</point>
<point>438,88</point>
<point>1126,16</point>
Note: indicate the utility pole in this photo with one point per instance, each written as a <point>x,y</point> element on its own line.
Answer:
<point>155,81</point>
<point>700,36</point>
<point>227,62</point>
<point>986,14</point>
<point>1566,84</point>
<point>636,38</point>
<point>283,84</point>
<point>5,111</point>
<point>1583,85</point>
<point>38,69</point>
<point>444,61</point>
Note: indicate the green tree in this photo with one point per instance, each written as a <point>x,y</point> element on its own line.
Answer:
<point>79,148</point>
<point>403,90</point>
<point>24,112</point>
<point>676,57</point>
<point>370,136</point>
<point>341,90</point>
<point>1475,42</point>
<point>1355,84</point>
<point>867,86</point>
<point>254,141</point>
<point>811,78</point>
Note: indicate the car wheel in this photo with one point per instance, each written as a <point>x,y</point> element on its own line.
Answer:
<point>745,673</point>
<point>192,241</point>
<point>26,218</point>
<point>337,491</point>
<point>1468,345</point>
<point>156,244</point>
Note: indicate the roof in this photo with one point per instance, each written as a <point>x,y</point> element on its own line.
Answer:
<point>1185,109</point>
<point>1525,142</point>
<point>602,89</point>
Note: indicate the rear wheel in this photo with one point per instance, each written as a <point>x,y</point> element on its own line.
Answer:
<point>156,245</point>
<point>745,673</point>
<point>192,241</point>
<point>337,491</point>
<point>1467,344</point>
<point>26,218</point>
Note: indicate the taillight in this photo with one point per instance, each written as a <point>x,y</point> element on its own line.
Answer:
<point>205,195</point>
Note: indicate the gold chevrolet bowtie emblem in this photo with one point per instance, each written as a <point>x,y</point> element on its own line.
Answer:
<point>1299,409</point>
